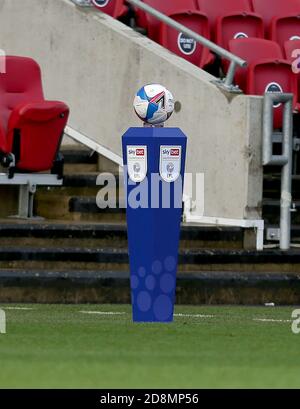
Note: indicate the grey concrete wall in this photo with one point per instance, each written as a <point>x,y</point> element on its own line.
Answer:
<point>96,65</point>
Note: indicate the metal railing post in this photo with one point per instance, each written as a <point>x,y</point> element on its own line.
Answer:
<point>286,178</point>
<point>228,82</point>
<point>284,160</point>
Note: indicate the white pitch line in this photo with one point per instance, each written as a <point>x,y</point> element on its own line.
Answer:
<point>102,312</point>
<point>17,308</point>
<point>270,320</point>
<point>194,315</point>
<point>123,313</point>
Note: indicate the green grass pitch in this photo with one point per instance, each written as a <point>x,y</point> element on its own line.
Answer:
<point>59,346</point>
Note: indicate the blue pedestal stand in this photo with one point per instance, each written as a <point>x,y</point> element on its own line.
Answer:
<point>154,160</point>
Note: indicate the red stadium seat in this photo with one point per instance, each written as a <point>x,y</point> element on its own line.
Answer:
<point>267,70</point>
<point>31,128</point>
<point>285,28</point>
<point>245,25</point>
<point>115,8</point>
<point>165,7</point>
<point>184,46</point>
<point>269,9</point>
<point>231,19</point>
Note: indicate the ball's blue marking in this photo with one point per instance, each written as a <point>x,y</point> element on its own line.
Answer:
<point>152,108</point>
<point>142,94</point>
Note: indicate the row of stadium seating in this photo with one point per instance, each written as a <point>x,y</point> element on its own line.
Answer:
<point>277,20</point>
<point>218,20</point>
<point>265,33</point>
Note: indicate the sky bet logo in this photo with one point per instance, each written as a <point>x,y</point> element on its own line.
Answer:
<point>171,152</point>
<point>174,152</point>
<point>137,152</point>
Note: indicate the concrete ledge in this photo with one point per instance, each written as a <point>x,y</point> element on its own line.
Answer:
<point>113,287</point>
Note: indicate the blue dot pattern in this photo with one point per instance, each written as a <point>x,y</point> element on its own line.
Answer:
<point>153,291</point>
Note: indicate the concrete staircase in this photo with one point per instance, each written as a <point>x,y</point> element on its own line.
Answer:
<point>79,252</point>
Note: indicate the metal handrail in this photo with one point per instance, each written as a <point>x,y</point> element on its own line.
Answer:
<point>234,60</point>
<point>284,160</point>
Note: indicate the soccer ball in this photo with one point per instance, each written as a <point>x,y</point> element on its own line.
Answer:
<point>153,104</point>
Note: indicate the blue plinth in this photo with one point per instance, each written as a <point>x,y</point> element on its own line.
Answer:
<point>154,160</point>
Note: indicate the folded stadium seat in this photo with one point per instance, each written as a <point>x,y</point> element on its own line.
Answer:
<point>270,9</point>
<point>267,71</point>
<point>231,19</point>
<point>166,7</point>
<point>115,8</point>
<point>183,45</point>
<point>31,128</point>
<point>285,28</point>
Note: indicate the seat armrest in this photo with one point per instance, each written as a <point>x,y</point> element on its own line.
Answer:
<point>40,111</point>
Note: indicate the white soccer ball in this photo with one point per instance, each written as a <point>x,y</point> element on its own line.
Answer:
<point>154,104</point>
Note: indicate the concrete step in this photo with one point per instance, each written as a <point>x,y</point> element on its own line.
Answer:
<point>61,205</point>
<point>79,154</point>
<point>89,179</point>
<point>76,199</point>
<point>117,258</point>
<point>85,235</point>
<point>56,286</point>
<point>79,159</point>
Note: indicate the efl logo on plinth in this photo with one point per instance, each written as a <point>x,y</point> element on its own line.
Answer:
<point>170,163</point>
<point>137,163</point>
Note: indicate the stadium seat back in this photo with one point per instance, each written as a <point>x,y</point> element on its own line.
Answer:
<point>30,127</point>
<point>267,70</point>
<point>272,77</point>
<point>168,8</point>
<point>21,83</point>
<point>183,45</point>
<point>215,8</point>
<point>238,26</point>
<point>244,48</point>
<point>275,8</point>
<point>285,28</point>
<point>115,8</point>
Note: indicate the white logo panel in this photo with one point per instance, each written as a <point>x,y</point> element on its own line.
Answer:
<point>170,163</point>
<point>137,163</point>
